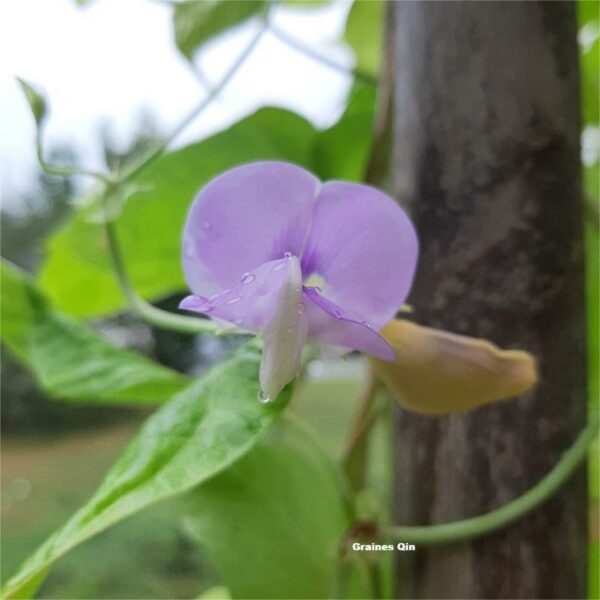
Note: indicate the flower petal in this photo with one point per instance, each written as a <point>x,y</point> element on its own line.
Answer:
<point>251,303</point>
<point>364,247</point>
<point>245,217</point>
<point>437,372</point>
<point>284,335</point>
<point>330,324</point>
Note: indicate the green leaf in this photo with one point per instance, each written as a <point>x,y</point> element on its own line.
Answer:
<point>104,203</point>
<point>272,523</point>
<point>342,151</point>
<point>215,593</point>
<point>306,3</point>
<point>78,274</point>
<point>35,99</point>
<point>197,22</point>
<point>70,360</point>
<point>364,32</point>
<point>200,432</point>
<point>588,13</point>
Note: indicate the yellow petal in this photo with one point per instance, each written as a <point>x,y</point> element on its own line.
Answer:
<point>437,372</point>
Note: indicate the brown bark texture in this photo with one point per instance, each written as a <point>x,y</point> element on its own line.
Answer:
<point>486,158</point>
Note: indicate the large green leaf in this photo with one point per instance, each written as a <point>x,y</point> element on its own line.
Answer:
<point>70,360</point>
<point>201,431</point>
<point>273,522</point>
<point>364,32</point>
<point>195,22</point>
<point>78,274</point>
<point>342,151</point>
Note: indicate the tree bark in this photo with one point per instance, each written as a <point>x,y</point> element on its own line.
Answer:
<point>486,157</point>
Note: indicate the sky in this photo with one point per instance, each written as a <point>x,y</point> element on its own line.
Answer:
<point>115,58</point>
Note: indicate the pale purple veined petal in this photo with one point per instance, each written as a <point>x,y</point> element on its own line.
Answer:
<point>330,324</point>
<point>249,304</point>
<point>364,247</point>
<point>245,217</point>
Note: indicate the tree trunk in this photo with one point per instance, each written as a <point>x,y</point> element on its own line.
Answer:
<point>486,156</point>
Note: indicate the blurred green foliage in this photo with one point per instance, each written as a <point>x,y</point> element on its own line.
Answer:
<point>195,23</point>
<point>364,33</point>
<point>200,432</point>
<point>280,505</point>
<point>70,360</point>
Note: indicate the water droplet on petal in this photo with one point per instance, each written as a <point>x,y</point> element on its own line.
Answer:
<point>287,255</point>
<point>278,267</point>
<point>216,299</point>
<point>300,308</point>
<point>233,300</point>
<point>248,278</point>
<point>263,398</point>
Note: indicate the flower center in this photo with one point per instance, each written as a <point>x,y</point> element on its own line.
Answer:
<point>315,280</point>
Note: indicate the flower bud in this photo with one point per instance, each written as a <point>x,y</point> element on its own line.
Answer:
<point>437,372</point>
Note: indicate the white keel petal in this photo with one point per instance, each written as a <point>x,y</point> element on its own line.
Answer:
<point>284,335</point>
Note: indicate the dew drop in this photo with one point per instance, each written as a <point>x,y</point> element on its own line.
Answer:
<point>287,255</point>
<point>300,308</point>
<point>216,299</point>
<point>248,278</point>
<point>263,398</point>
<point>233,300</point>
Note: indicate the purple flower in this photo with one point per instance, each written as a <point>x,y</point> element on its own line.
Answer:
<point>269,248</point>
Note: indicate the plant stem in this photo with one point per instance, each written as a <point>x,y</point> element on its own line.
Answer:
<point>62,171</point>
<point>374,571</point>
<point>212,94</point>
<point>306,50</point>
<point>355,456</point>
<point>516,509</point>
<point>149,313</point>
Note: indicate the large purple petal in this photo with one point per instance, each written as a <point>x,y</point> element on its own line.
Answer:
<point>364,247</point>
<point>330,324</point>
<point>249,304</point>
<point>245,217</point>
